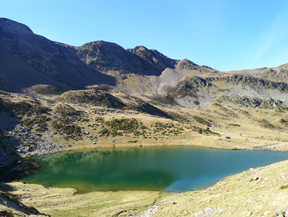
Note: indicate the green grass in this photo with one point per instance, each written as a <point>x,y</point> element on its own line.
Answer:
<point>283,187</point>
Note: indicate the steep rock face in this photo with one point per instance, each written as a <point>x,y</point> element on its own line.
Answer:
<point>159,61</point>
<point>106,56</point>
<point>191,68</point>
<point>109,57</point>
<point>188,86</point>
<point>187,65</point>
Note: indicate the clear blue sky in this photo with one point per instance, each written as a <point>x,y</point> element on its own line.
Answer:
<point>222,34</point>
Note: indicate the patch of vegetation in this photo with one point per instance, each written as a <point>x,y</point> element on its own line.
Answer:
<point>280,108</point>
<point>85,120</point>
<point>161,126</point>
<point>39,123</point>
<point>6,213</point>
<point>265,123</point>
<point>283,121</point>
<point>243,112</point>
<point>234,125</point>
<point>143,106</point>
<point>125,125</point>
<point>65,122</point>
<point>229,112</point>
<point>32,115</point>
<point>20,109</point>
<point>99,120</point>
<point>120,126</point>
<point>167,128</point>
<point>143,128</point>
<point>202,120</point>
<point>283,187</point>
<point>71,131</point>
<point>166,100</point>
<point>133,141</point>
<point>66,111</point>
<point>104,132</point>
<point>178,117</point>
<point>93,97</point>
<point>116,133</point>
<point>138,133</point>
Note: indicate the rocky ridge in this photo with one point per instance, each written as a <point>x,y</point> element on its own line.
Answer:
<point>46,62</point>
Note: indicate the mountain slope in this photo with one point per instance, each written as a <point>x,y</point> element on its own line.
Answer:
<point>110,58</point>
<point>158,60</point>
<point>28,59</point>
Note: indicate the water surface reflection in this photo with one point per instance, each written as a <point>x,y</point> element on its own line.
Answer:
<point>173,169</point>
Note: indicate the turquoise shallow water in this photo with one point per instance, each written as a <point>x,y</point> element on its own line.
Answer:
<point>170,169</point>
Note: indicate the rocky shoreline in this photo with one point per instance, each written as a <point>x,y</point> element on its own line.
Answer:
<point>17,146</point>
<point>31,144</point>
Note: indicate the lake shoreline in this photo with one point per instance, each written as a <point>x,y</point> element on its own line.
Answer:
<point>170,145</point>
<point>70,201</point>
<point>26,158</point>
<point>233,190</point>
<point>167,164</point>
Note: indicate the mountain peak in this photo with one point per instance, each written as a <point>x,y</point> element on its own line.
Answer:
<point>160,61</point>
<point>187,64</point>
<point>101,43</point>
<point>10,27</point>
<point>141,48</point>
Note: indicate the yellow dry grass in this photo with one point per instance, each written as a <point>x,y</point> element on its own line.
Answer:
<point>257,191</point>
<point>66,202</point>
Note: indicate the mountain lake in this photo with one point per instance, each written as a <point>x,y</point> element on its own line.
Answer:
<point>168,169</point>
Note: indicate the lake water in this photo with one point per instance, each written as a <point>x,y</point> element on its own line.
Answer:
<point>170,169</point>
